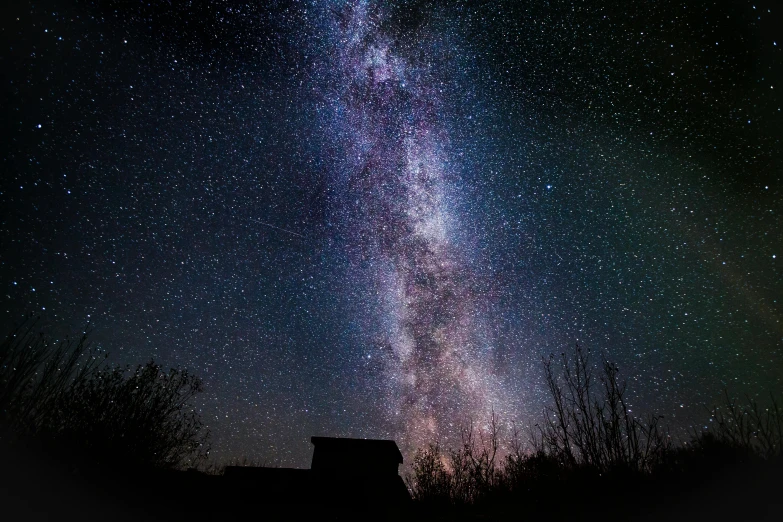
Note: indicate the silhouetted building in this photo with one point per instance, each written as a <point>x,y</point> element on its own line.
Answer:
<point>343,472</point>
<point>355,456</point>
<point>362,470</point>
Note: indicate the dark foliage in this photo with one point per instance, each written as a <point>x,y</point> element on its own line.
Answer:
<point>590,425</point>
<point>460,476</point>
<point>36,374</point>
<point>141,415</point>
<point>591,457</point>
<point>64,399</point>
<point>756,429</point>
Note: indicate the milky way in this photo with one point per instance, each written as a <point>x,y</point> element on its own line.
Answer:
<point>397,185</point>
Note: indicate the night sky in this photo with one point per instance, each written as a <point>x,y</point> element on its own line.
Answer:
<point>372,219</point>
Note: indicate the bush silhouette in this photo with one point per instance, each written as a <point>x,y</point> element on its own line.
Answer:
<point>430,481</point>
<point>36,373</point>
<point>591,456</point>
<point>755,429</point>
<point>64,398</point>
<point>589,423</point>
<point>141,416</point>
<point>462,476</point>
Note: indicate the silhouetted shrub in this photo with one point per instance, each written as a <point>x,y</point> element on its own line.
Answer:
<point>461,476</point>
<point>65,398</point>
<point>590,446</point>
<point>525,472</point>
<point>473,466</point>
<point>429,480</point>
<point>36,373</point>
<point>589,423</point>
<point>140,415</point>
<point>757,429</point>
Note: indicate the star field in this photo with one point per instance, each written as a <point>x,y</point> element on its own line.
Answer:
<point>372,219</point>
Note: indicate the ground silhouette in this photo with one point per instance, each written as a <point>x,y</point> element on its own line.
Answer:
<point>81,439</point>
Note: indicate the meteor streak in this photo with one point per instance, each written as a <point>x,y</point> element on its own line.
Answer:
<point>276,228</point>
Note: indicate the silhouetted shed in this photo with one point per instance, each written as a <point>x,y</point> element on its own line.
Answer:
<point>362,472</point>
<point>344,474</point>
<point>355,456</point>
